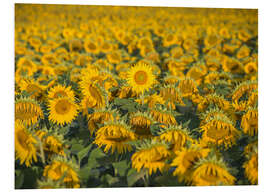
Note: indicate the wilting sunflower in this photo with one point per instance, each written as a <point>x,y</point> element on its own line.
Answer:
<point>188,87</point>
<point>52,143</point>
<point>219,130</point>
<point>172,95</point>
<point>141,78</point>
<point>163,115</point>
<point>249,122</point>
<point>99,116</point>
<point>251,168</point>
<point>216,100</point>
<point>152,100</point>
<point>62,110</point>
<point>186,159</point>
<point>33,88</point>
<point>115,135</point>
<point>211,172</point>
<point>141,123</point>
<point>61,91</point>
<point>151,155</point>
<point>25,145</point>
<point>177,136</point>
<point>59,167</point>
<point>27,111</point>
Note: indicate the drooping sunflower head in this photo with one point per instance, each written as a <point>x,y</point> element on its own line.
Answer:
<point>114,135</point>
<point>62,110</point>
<point>141,77</point>
<point>188,87</point>
<point>249,122</point>
<point>53,143</point>
<point>33,88</point>
<point>219,130</point>
<point>251,168</point>
<point>152,100</point>
<point>27,111</point>
<point>177,136</point>
<point>163,115</point>
<point>141,123</point>
<point>171,94</point>
<point>61,167</point>
<point>61,91</point>
<point>99,116</point>
<point>25,145</point>
<point>186,159</point>
<point>152,155</point>
<point>211,172</point>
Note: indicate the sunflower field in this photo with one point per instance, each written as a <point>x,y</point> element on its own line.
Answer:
<point>111,96</point>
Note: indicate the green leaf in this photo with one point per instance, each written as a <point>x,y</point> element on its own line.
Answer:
<point>94,155</point>
<point>109,179</point>
<point>19,178</point>
<point>133,176</point>
<point>76,148</point>
<point>81,154</point>
<point>121,167</point>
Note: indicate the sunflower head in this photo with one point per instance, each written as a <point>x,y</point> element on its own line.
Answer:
<point>177,136</point>
<point>141,77</point>
<point>152,155</point>
<point>25,145</point>
<point>61,91</point>
<point>251,168</point>
<point>163,115</point>
<point>27,111</point>
<point>60,167</point>
<point>249,122</point>
<point>211,171</point>
<point>62,110</point>
<point>114,135</point>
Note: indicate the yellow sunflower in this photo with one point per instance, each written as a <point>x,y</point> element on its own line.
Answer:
<point>151,155</point>
<point>27,111</point>
<point>61,91</point>
<point>33,88</point>
<point>163,115</point>
<point>115,135</point>
<point>62,110</point>
<point>251,168</point>
<point>211,172</point>
<point>25,143</point>
<point>186,159</point>
<point>61,167</point>
<point>172,95</point>
<point>249,122</point>
<point>177,136</point>
<point>141,123</point>
<point>52,142</point>
<point>141,78</point>
<point>219,130</point>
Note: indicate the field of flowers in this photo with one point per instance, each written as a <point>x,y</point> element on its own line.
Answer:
<point>110,96</point>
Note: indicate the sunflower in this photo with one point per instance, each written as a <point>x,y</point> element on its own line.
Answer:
<point>151,155</point>
<point>141,123</point>
<point>25,143</point>
<point>91,47</point>
<point>52,142</point>
<point>114,135</point>
<point>62,110</point>
<point>163,115</point>
<point>27,111</point>
<point>61,91</point>
<point>211,172</point>
<point>62,168</point>
<point>49,184</point>
<point>219,130</point>
<point>186,159</point>
<point>33,88</point>
<point>114,57</point>
<point>177,136</point>
<point>243,52</point>
<point>188,87</point>
<point>216,100</point>
<point>172,95</point>
<point>249,122</point>
<point>27,65</point>
<point>232,65</point>
<point>99,116</point>
<point>75,45</point>
<point>141,78</point>
<point>251,168</point>
<point>152,100</point>
<point>251,68</point>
